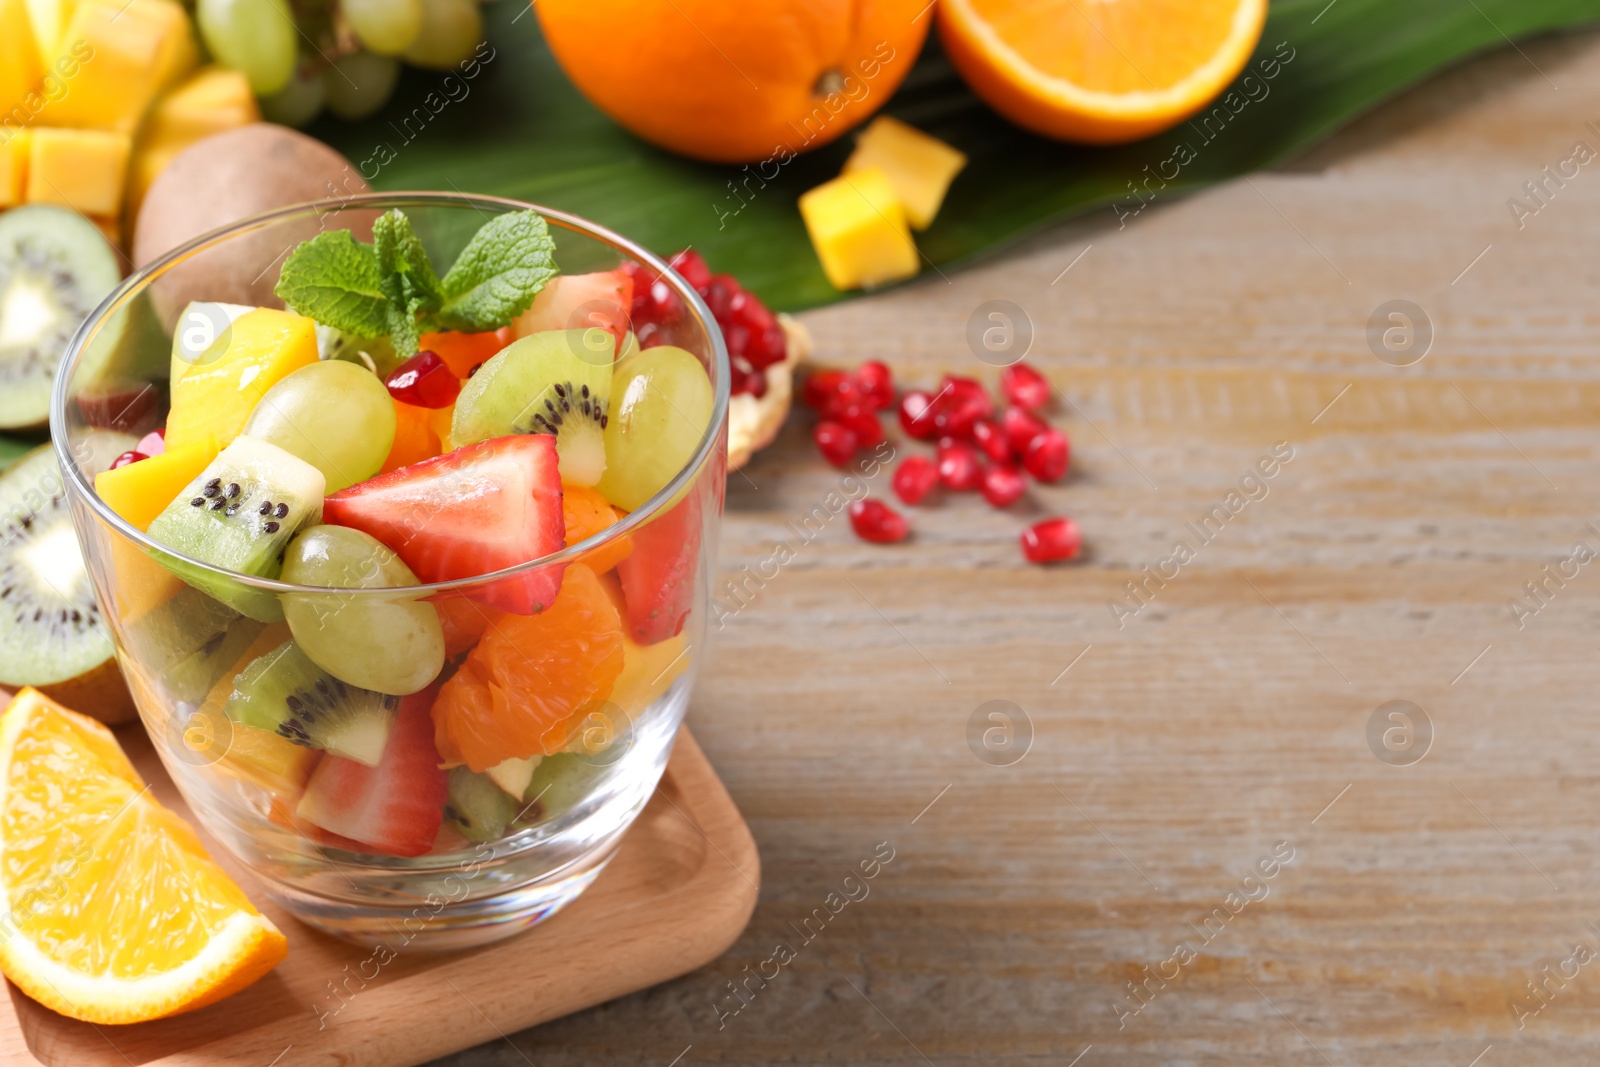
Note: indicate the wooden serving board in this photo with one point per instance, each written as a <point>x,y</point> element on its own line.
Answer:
<point>678,893</point>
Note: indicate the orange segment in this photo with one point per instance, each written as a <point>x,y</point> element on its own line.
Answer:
<point>587,513</point>
<point>414,437</point>
<point>1101,73</point>
<point>113,912</point>
<point>519,692</point>
<point>464,621</point>
<point>462,352</point>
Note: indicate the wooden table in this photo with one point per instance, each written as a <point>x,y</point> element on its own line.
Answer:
<point>1170,757</point>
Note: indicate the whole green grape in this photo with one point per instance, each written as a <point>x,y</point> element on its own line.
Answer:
<point>451,31</point>
<point>360,83</point>
<point>335,415</point>
<point>661,403</point>
<point>391,644</point>
<point>387,27</point>
<point>258,38</point>
<point>298,102</point>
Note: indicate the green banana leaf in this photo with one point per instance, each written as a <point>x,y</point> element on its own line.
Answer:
<point>523,131</point>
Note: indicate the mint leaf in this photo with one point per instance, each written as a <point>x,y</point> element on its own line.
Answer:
<point>498,274</point>
<point>407,279</point>
<point>334,279</point>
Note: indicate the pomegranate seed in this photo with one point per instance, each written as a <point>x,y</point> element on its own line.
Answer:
<point>837,441</point>
<point>745,308</point>
<point>424,381</point>
<point>876,521</point>
<point>1003,485</point>
<point>755,383</point>
<point>738,377</point>
<point>845,395</point>
<point>862,421</point>
<point>767,346</point>
<point>661,305</point>
<point>127,458</point>
<point>988,436</point>
<point>959,466</point>
<point>1025,387</point>
<point>820,385</point>
<point>916,414</point>
<point>955,387</point>
<point>914,479</point>
<point>955,416</point>
<point>876,384</point>
<point>693,268</point>
<point>1046,457</point>
<point>152,444</point>
<point>738,340</point>
<point>1021,428</point>
<point>719,298</point>
<point>1051,540</point>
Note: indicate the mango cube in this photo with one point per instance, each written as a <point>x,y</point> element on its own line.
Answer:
<point>141,491</point>
<point>211,101</point>
<point>859,230</point>
<point>14,148</point>
<point>84,170</point>
<point>919,167</point>
<point>20,67</point>
<point>50,19</point>
<point>212,397</point>
<point>138,49</point>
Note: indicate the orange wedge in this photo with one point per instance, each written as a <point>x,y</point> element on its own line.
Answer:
<point>112,911</point>
<point>1099,71</point>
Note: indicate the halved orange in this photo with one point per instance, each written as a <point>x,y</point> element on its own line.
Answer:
<point>1099,71</point>
<point>110,909</point>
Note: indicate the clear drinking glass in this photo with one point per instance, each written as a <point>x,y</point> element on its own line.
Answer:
<point>180,645</point>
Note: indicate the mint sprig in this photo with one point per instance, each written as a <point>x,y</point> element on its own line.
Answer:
<point>389,287</point>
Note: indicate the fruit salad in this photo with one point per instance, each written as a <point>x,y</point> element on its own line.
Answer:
<point>391,427</point>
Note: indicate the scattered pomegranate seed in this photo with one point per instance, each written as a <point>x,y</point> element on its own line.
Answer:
<point>1051,540</point>
<point>821,385</point>
<point>1003,485</point>
<point>959,466</point>
<point>692,266</point>
<point>988,436</point>
<point>1025,387</point>
<point>874,520</point>
<point>1021,428</point>
<point>128,457</point>
<point>1046,457</point>
<point>956,415</point>
<point>915,478</point>
<point>837,441</point>
<point>152,444</point>
<point>845,396</point>
<point>955,387</point>
<point>916,414</point>
<point>876,384</point>
<point>424,381</point>
<point>863,422</point>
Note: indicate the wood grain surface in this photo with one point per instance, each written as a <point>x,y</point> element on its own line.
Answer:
<point>1231,714</point>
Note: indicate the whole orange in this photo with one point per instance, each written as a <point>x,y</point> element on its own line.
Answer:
<point>737,82</point>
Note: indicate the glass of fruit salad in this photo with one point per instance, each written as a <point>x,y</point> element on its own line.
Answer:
<point>407,554</point>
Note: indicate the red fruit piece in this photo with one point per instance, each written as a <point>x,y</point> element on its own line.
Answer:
<point>875,521</point>
<point>916,414</point>
<point>132,456</point>
<point>128,408</point>
<point>463,353</point>
<point>988,436</point>
<point>862,421</point>
<point>1046,457</point>
<point>1003,485</point>
<point>876,384</point>
<point>958,411</point>
<point>601,300</point>
<point>1021,428</point>
<point>1051,540</point>
<point>959,466</point>
<point>658,575</point>
<point>1025,387</point>
<point>768,346</point>
<point>395,807</point>
<point>692,266</point>
<point>820,385</point>
<point>837,441</point>
<point>718,296</point>
<point>915,478</point>
<point>153,443</point>
<point>424,381</point>
<point>473,511</point>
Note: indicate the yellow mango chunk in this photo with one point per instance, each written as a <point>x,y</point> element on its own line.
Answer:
<point>211,101</point>
<point>859,230</point>
<point>138,49</point>
<point>84,170</point>
<point>214,395</point>
<point>50,19</point>
<point>20,66</point>
<point>919,167</point>
<point>141,491</point>
<point>14,148</point>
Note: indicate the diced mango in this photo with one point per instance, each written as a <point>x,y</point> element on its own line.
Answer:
<point>261,757</point>
<point>141,491</point>
<point>214,395</point>
<point>919,167</point>
<point>14,148</point>
<point>138,49</point>
<point>859,230</point>
<point>20,66</point>
<point>50,19</point>
<point>211,101</point>
<point>81,169</point>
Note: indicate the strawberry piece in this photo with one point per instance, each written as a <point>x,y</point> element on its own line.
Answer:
<point>658,576</point>
<point>395,807</point>
<point>479,509</point>
<point>582,301</point>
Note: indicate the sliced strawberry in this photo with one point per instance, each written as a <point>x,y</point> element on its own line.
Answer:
<point>579,301</point>
<point>395,807</point>
<point>478,509</point>
<point>658,576</point>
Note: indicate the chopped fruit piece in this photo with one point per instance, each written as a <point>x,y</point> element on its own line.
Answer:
<point>1021,428</point>
<point>214,100</point>
<point>75,817</point>
<point>153,443</point>
<point>836,441</point>
<point>988,436</point>
<point>583,302</point>
<point>919,167</point>
<point>464,623</point>
<point>661,407</point>
<point>1003,485</point>
<point>414,438</point>
<point>820,387</point>
<point>15,146</point>
<point>20,61</point>
<point>214,393</point>
<point>141,491</point>
<point>587,514</point>
<point>916,414</point>
<point>647,670</point>
<point>262,758</point>
<point>138,48</point>
<point>394,808</point>
<point>80,169</point>
<point>518,693</point>
<point>915,478</point>
<point>658,577</point>
<point>477,808</point>
<point>1025,387</point>
<point>960,468</point>
<point>1051,540</point>
<point>873,520</point>
<point>488,506</point>
<point>859,230</point>
<point>513,775</point>
<point>462,352</point>
<point>424,381</point>
<point>1046,457</point>
<point>876,384</point>
<point>127,458</point>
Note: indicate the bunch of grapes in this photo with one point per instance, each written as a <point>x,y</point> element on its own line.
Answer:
<point>344,55</point>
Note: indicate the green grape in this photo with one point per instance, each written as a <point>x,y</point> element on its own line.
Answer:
<point>451,31</point>
<point>392,645</point>
<point>660,406</point>
<point>299,102</point>
<point>256,37</point>
<point>337,416</point>
<point>387,27</point>
<point>360,83</point>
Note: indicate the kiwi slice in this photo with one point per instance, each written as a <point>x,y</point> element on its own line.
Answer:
<point>544,383</point>
<point>283,691</point>
<point>189,642</point>
<point>55,267</point>
<point>558,782</point>
<point>239,514</point>
<point>477,807</point>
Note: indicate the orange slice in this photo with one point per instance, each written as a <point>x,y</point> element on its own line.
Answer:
<point>113,912</point>
<point>1099,71</point>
